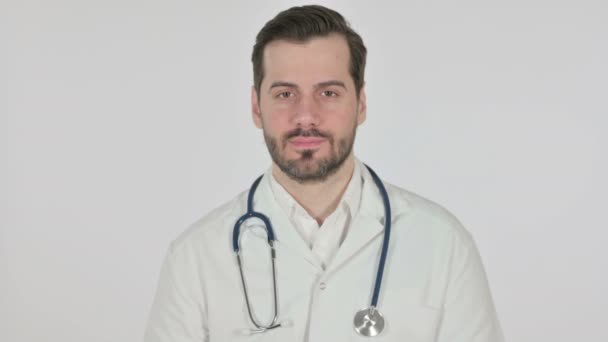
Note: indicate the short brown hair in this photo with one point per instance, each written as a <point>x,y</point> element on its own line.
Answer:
<point>301,24</point>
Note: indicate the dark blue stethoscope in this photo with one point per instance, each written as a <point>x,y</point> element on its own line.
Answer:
<point>368,321</point>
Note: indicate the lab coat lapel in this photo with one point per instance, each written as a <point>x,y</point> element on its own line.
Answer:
<point>287,238</point>
<point>366,226</point>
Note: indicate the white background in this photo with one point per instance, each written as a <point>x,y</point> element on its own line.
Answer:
<point>122,122</point>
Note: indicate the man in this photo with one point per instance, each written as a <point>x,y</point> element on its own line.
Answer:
<point>329,219</point>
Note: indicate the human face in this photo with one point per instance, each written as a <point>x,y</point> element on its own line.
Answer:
<point>307,106</point>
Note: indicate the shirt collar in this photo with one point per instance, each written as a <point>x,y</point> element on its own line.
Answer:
<point>351,199</point>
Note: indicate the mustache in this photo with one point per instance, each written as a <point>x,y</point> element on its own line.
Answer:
<point>299,132</point>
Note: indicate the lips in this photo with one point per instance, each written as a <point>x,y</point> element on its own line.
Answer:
<point>306,142</point>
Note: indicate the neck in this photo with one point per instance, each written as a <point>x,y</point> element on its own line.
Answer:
<point>319,199</point>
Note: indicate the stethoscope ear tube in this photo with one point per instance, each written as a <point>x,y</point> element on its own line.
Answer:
<point>235,245</point>
<point>259,326</point>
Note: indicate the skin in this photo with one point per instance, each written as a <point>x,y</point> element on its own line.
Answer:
<point>308,90</point>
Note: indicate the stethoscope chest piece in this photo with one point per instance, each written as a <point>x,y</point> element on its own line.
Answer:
<point>369,322</point>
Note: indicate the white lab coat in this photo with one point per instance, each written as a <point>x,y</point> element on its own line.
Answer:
<point>434,286</point>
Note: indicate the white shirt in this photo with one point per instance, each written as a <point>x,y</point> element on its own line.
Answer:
<point>323,240</point>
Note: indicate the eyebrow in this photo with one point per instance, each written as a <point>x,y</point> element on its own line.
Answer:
<point>318,85</point>
<point>282,84</point>
<point>331,83</point>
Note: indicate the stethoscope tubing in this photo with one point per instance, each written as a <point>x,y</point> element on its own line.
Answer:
<point>251,214</point>
<point>387,235</point>
<point>271,239</point>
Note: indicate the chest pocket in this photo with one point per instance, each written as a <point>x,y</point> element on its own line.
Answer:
<point>408,318</point>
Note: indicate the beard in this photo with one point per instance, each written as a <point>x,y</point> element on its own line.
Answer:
<point>307,168</point>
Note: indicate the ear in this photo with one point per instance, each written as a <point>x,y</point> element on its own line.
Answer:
<point>362,108</point>
<point>255,108</point>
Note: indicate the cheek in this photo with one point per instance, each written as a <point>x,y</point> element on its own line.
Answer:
<point>342,120</point>
<point>275,121</point>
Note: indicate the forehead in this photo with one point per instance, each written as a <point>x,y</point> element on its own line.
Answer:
<point>317,59</point>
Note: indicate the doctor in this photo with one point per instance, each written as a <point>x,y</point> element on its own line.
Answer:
<point>328,218</point>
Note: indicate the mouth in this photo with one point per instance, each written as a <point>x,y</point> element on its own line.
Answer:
<point>306,143</point>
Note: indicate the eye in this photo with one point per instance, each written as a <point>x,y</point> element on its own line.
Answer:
<point>284,95</point>
<point>329,93</point>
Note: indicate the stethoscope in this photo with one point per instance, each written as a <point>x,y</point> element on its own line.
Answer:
<point>368,321</point>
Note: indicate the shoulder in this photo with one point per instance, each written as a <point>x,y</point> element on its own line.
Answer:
<point>215,223</point>
<point>426,215</point>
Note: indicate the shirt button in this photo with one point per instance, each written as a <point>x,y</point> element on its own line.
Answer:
<point>322,285</point>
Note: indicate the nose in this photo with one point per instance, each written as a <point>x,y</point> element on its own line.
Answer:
<point>306,112</point>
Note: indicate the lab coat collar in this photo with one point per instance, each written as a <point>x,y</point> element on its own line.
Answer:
<point>366,225</point>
